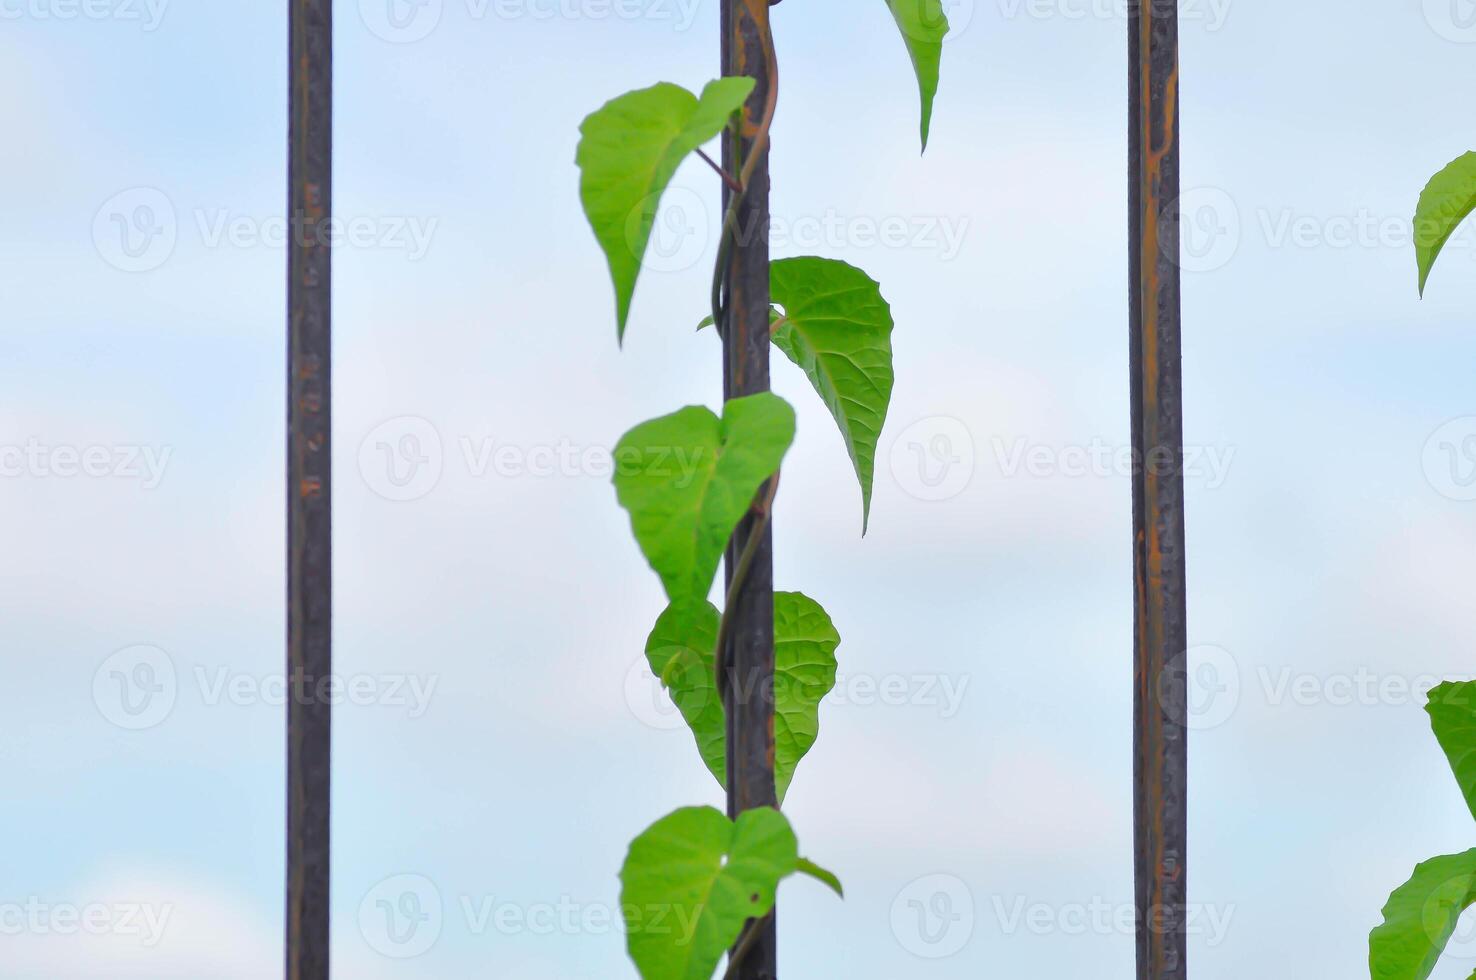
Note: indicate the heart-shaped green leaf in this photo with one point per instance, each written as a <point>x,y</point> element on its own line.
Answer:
<point>924,25</point>
<point>628,151</point>
<point>837,328</point>
<point>681,653</point>
<point>688,478</point>
<point>1420,918</point>
<point>1452,710</point>
<point>693,879</point>
<point>1444,204</point>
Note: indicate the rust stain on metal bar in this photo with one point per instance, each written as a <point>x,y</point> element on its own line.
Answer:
<point>309,486</point>
<point>1161,637</point>
<point>749,693</point>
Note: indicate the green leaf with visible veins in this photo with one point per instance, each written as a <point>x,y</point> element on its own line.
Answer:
<point>628,152</point>
<point>837,327</point>
<point>689,477</point>
<point>681,653</point>
<point>1420,918</point>
<point>924,25</point>
<point>693,879</point>
<point>805,641</point>
<point>1444,204</point>
<point>1452,710</point>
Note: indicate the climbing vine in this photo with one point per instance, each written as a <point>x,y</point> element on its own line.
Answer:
<point>1421,914</point>
<point>687,479</point>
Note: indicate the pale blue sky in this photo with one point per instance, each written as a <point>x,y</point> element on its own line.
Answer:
<point>1330,553</point>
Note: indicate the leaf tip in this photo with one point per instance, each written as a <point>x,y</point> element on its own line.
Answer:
<point>827,878</point>
<point>622,318</point>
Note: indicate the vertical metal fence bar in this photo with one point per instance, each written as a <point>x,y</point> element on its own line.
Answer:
<point>1160,675</point>
<point>309,487</point>
<point>749,697</point>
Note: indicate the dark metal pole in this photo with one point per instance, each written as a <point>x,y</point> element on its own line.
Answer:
<point>1161,705</point>
<point>749,694</point>
<point>309,487</point>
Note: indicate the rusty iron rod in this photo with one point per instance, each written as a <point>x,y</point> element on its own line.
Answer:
<point>1161,704</point>
<point>309,486</point>
<point>749,689</point>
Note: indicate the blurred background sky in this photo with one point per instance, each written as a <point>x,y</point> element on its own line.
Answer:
<point>502,743</point>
